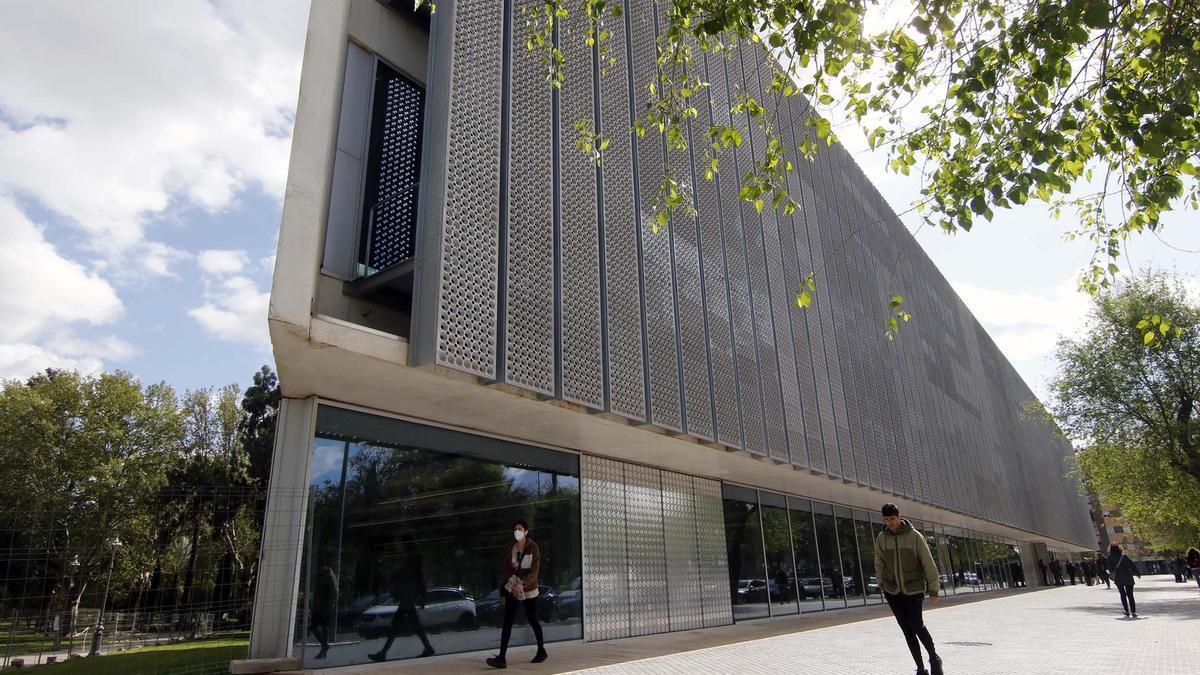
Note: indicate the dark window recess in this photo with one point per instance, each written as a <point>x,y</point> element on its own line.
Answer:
<point>393,172</point>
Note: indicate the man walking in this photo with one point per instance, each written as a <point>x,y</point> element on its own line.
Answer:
<point>1042,568</point>
<point>906,572</point>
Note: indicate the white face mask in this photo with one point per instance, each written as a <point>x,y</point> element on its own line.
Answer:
<point>519,535</point>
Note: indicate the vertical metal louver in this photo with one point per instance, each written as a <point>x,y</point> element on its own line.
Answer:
<point>393,171</point>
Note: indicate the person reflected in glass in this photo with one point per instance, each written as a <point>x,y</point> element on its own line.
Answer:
<point>520,589</point>
<point>408,591</point>
<point>324,599</point>
<point>906,572</point>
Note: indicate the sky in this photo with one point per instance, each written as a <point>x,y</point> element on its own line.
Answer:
<point>143,155</point>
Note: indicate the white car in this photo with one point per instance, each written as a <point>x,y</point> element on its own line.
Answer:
<point>442,607</point>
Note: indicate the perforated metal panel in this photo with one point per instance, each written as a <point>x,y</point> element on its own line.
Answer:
<point>714,564</point>
<point>605,549</point>
<point>760,289</point>
<point>390,203</point>
<point>716,286</point>
<point>467,296</point>
<point>648,599</point>
<point>582,344</point>
<point>658,270</point>
<point>733,164</point>
<point>692,329</point>
<point>623,306</point>
<point>683,553</point>
<point>529,312</point>
<point>781,303</point>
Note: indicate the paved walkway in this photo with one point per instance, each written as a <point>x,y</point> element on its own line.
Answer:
<point>1073,629</point>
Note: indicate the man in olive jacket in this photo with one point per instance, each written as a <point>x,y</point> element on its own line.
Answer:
<point>906,572</point>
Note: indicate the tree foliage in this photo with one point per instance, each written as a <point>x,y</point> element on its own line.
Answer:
<point>1089,105</point>
<point>1132,402</point>
<point>89,461</point>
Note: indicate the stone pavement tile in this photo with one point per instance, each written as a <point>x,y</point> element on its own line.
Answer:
<point>1074,629</point>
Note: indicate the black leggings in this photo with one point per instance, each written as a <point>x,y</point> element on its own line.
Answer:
<point>1126,591</point>
<point>510,613</point>
<point>907,610</point>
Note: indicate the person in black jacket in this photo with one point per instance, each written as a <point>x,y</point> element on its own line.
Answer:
<point>1123,570</point>
<point>1102,570</point>
<point>408,591</point>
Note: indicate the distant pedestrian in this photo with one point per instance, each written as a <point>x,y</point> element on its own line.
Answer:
<point>906,572</point>
<point>1123,572</point>
<point>522,567</point>
<point>1193,561</point>
<point>1087,572</point>
<point>1102,570</point>
<point>1179,566</point>
<point>1043,569</point>
<point>1071,571</point>
<point>324,602</point>
<point>1056,571</point>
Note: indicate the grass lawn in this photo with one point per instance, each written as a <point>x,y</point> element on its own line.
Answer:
<point>201,656</point>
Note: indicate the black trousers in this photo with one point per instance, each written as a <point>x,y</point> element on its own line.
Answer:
<point>907,610</point>
<point>510,614</point>
<point>406,614</point>
<point>1126,591</point>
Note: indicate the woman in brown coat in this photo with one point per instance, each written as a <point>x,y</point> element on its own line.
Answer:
<point>520,589</point>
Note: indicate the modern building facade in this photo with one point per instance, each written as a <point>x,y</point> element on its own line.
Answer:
<point>473,322</point>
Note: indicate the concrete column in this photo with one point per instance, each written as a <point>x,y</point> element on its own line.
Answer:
<point>279,559</point>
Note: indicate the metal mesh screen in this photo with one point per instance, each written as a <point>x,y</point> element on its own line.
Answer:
<point>605,560</point>
<point>648,599</point>
<point>393,170</point>
<point>530,297</point>
<point>582,357</point>
<point>467,294</point>
<point>683,553</point>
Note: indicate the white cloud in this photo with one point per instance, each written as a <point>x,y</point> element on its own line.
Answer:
<point>1026,325</point>
<point>222,262</point>
<point>234,308</point>
<point>139,106</point>
<point>42,294</point>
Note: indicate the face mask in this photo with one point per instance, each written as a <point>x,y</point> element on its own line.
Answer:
<point>519,535</point>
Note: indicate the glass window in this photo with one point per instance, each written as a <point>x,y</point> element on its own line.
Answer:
<point>743,539</point>
<point>946,575</point>
<point>412,527</point>
<point>854,579</point>
<point>808,565</point>
<point>832,579</point>
<point>926,531</point>
<point>869,525</point>
<point>781,570</point>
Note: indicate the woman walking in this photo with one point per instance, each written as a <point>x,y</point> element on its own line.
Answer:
<point>520,588</point>
<point>1193,562</point>
<point>1123,570</point>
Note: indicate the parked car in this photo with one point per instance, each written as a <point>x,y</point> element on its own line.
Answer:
<point>443,607</point>
<point>872,585</point>
<point>812,587</point>
<point>348,616</point>
<point>570,600</point>
<point>756,590</point>
<point>490,611</point>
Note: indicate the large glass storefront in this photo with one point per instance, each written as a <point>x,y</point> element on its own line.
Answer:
<point>790,554</point>
<point>408,531</point>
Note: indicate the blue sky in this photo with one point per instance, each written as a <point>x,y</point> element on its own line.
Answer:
<point>143,153</point>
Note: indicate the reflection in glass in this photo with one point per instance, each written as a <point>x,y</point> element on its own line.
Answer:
<point>413,540</point>
<point>866,532</point>
<point>804,546</point>
<point>781,572</point>
<point>854,581</point>
<point>743,538</point>
<point>832,579</point>
<point>946,577</point>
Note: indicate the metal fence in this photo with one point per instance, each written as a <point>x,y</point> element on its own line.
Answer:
<point>176,574</point>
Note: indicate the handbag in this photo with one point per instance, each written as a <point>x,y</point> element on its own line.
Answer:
<point>515,587</point>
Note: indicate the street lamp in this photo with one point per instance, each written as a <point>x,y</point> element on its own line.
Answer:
<point>98,635</point>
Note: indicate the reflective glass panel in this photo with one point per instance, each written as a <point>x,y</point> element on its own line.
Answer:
<point>854,576</point>
<point>743,538</point>
<point>411,536</point>
<point>781,572</point>
<point>832,579</point>
<point>804,546</point>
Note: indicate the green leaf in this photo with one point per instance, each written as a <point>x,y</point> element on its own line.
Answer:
<point>1096,14</point>
<point>1148,338</point>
